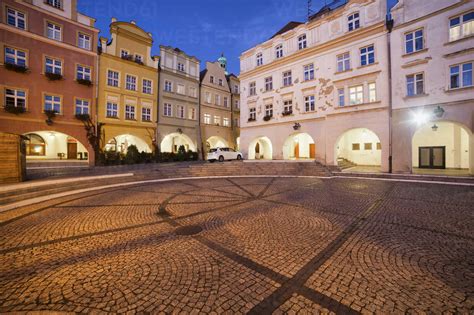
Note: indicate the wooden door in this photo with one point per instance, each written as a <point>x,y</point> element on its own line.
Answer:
<point>432,157</point>
<point>257,151</point>
<point>297,150</point>
<point>71,151</point>
<point>312,151</point>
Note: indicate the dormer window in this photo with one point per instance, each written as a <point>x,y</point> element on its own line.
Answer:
<point>221,83</point>
<point>259,59</point>
<point>302,43</point>
<point>180,66</point>
<point>353,21</point>
<point>124,53</point>
<point>279,51</point>
<point>211,79</point>
<point>55,3</point>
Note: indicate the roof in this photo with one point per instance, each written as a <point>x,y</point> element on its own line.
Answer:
<point>202,74</point>
<point>328,8</point>
<point>288,27</point>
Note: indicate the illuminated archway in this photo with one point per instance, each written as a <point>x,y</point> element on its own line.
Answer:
<point>442,145</point>
<point>358,146</point>
<point>122,142</point>
<point>53,145</point>
<point>299,146</point>
<point>173,141</point>
<point>260,148</point>
<point>216,142</point>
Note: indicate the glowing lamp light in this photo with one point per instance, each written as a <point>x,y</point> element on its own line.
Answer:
<point>420,118</point>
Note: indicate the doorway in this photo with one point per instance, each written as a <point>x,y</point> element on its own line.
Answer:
<point>72,150</point>
<point>432,157</point>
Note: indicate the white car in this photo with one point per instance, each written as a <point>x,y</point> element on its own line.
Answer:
<point>222,154</point>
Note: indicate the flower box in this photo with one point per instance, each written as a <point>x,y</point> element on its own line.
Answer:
<point>84,82</point>
<point>287,112</point>
<point>267,117</point>
<point>53,76</point>
<point>14,109</point>
<point>251,119</point>
<point>16,68</point>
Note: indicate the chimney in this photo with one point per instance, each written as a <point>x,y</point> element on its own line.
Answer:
<point>113,20</point>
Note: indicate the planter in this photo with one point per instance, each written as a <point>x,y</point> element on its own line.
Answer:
<point>287,113</point>
<point>251,119</point>
<point>83,117</point>
<point>53,76</point>
<point>139,62</point>
<point>16,68</point>
<point>267,118</point>
<point>84,82</point>
<point>15,110</point>
<point>128,57</point>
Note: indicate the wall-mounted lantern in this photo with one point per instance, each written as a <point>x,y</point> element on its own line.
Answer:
<point>296,126</point>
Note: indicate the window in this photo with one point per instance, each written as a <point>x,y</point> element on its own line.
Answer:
<point>211,79</point>
<point>225,122</point>
<point>181,111</point>
<point>309,103</point>
<point>192,92</point>
<point>279,51</point>
<point>55,3</point>
<point>269,110</point>
<point>192,113</point>
<point>168,86</point>
<point>84,41</point>
<point>52,103</point>
<point>180,89</point>
<point>15,56</point>
<point>53,31</point>
<point>16,18</point>
<point>268,84</point>
<point>226,102</point>
<point>461,26</point>
<point>252,89</point>
<point>236,89</point>
<point>221,83</point>
<point>356,95</point>
<point>236,122</point>
<point>139,59</point>
<point>288,106</point>
<point>379,146</point>
<point>461,75</point>
<point>207,119</point>
<point>252,113</point>
<point>415,84</point>
<point>302,43</point>
<point>124,53</point>
<point>287,78</point>
<point>167,110</point>
<point>353,21</point>
<point>112,78</point>
<point>112,110</point>
<point>146,114</point>
<point>217,120</point>
<point>181,67</point>
<point>131,82</point>
<point>82,107</point>
<point>208,97</point>
<point>367,146</point>
<point>237,104</point>
<point>83,73</point>
<point>413,41</point>
<point>355,146</point>
<point>53,66</point>
<point>367,55</point>
<point>309,72</point>
<point>15,98</point>
<point>372,92</point>
<point>218,99</point>
<point>259,59</point>
<point>147,86</point>
<point>343,62</point>
<point>341,97</point>
<point>35,145</point>
<point>130,112</point>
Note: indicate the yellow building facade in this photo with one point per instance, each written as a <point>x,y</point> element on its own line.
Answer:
<point>128,89</point>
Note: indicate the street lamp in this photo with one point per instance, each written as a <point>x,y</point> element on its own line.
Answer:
<point>434,127</point>
<point>296,126</point>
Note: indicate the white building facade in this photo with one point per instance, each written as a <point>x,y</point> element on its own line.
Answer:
<point>432,49</point>
<point>320,90</point>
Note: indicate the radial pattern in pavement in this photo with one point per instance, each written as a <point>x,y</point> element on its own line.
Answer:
<point>257,245</point>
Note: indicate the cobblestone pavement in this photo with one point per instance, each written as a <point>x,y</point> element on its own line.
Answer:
<point>247,245</point>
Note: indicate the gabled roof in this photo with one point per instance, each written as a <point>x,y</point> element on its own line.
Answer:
<point>202,74</point>
<point>328,8</point>
<point>288,27</point>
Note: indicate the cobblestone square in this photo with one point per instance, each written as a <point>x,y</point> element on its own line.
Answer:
<point>244,245</point>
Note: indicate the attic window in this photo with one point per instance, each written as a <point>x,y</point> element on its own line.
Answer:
<point>302,43</point>
<point>353,21</point>
<point>55,3</point>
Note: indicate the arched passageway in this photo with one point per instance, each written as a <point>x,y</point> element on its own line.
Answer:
<point>260,149</point>
<point>359,147</point>
<point>53,145</point>
<point>121,143</point>
<point>216,142</point>
<point>299,146</point>
<point>173,141</point>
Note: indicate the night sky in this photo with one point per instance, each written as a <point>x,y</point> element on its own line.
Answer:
<point>203,28</point>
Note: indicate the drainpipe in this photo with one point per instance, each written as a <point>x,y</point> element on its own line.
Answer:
<point>96,114</point>
<point>389,24</point>
<point>158,106</point>
<point>199,120</point>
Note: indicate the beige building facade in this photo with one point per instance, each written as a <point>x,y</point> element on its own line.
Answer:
<point>178,116</point>
<point>234,85</point>
<point>128,93</point>
<point>320,90</point>
<point>215,108</point>
<point>432,49</point>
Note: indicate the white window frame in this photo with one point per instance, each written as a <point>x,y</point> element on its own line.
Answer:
<point>124,53</point>
<point>217,120</point>
<point>181,111</point>
<point>365,54</point>
<point>372,87</point>
<point>287,78</point>
<point>252,88</point>
<point>85,41</point>
<point>259,58</point>
<point>51,63</point>
<point>111,110</point>
<point>55,100</point>
<point>168,86</point>
<point>225,122</point>
<point>55,3</point>
<point>269,110</point>
<point>226,101</point>
<point>268,84</point>
<point>180,67</point>
<point>288,106</point>
<point>208,97</point>
<point>180,89</point>
<point>207,119</point>
<point>353,21</point>
<point>211,79</point>
<point>341,97</point>
<point>309,103</point>
<point>130,112</point>
<point>192,113</point>
<point>131,84</point>
<point>412,41</point>
<point>113,80</point>
<point>461,73</point>
<point>344,62</point>
<point>146,113</point>
<point>17,16</point>
<point>302,42</point>
<point>252,113</point>
<point>167,110</point>
<point>415,82</point>
<point>217,99</point>
<point>279,51</point>
<point>81,106</point>
<point>221,83</point>
<point>308,72</point>
<point>14,54</point>
<point>356,95</point>
<point>463,28</point>
<point>147,86</point>
<point>83,74</point>
<point>54,31</point>
<point>17,96</point>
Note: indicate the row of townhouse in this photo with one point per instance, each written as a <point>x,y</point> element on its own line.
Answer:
<point>354,88</point>
<point>72,99</point>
